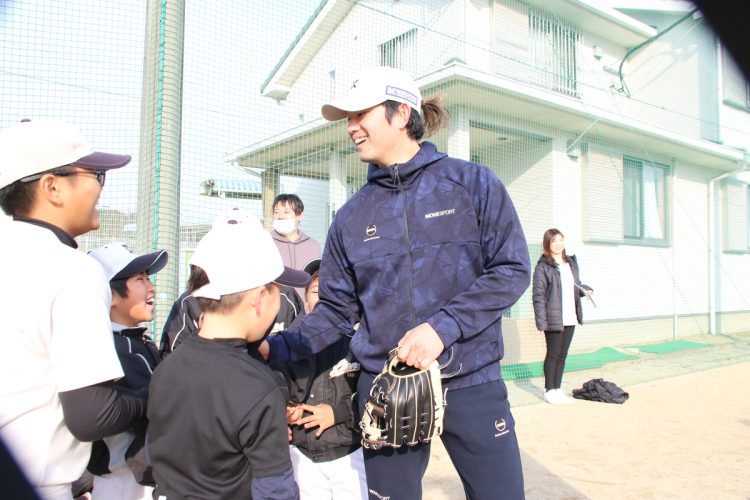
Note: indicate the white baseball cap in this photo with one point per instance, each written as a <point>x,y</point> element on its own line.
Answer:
<point>32,147</point>
<point>238,254</point>
<point>119,263</point>
<point>374,86</point>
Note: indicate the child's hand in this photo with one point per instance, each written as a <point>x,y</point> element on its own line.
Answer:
<point>293,413</point>
<point>321,416</point>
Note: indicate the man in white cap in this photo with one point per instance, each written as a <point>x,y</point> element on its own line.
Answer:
<point>426,256</point>
<point>58,360</point>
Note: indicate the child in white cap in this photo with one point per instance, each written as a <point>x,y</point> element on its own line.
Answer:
<point>217,426</point>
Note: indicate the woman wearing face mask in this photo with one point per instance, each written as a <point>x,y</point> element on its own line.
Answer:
<point>296,248</point>
<point>556,295</point>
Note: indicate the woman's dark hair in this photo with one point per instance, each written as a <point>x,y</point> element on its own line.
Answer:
<point>294,201</point>
<point>18,198</point>
<point>197,278</point>
<point>435,117</point>
<point>549,234</point>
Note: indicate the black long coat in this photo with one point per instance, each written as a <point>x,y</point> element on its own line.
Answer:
<point>546,294</point>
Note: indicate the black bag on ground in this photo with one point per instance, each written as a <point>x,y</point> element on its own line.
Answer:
<point>598,389</point>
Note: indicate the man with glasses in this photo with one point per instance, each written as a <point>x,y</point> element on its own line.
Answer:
<point>58,362</point>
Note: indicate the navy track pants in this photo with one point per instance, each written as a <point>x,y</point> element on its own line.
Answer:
<point>479,435</point>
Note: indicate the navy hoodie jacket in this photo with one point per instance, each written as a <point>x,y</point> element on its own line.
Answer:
<point>433,240</point>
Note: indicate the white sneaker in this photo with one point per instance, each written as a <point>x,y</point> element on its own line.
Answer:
<point>552,397</point>
<point>564,399</point>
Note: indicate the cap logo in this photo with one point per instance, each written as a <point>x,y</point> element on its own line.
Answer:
<point>354,84</point>
<point>402,94</point>
<point>371,230</point>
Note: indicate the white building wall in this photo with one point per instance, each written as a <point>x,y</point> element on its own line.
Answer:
<point>525,168</point>
<point>690,239</point>
<point>662,79</point>
<point>566,188</point>
<point>735,131</point>
<point>734,289</point>
<point>596,74</point>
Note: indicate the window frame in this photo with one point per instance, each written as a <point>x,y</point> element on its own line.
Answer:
<point>553,50</point>
<point>395,52</point>
<point>639,166</point>
<point>733,82</point>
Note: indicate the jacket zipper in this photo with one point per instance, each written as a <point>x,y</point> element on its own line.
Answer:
<point>408,245</point>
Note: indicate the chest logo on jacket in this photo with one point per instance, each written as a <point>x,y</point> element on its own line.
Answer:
<point>371,231</point>
<point>440,213</point>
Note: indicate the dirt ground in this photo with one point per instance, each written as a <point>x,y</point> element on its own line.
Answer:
<point>682,437</point>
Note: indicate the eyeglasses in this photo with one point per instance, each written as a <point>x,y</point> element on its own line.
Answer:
<point>100,175</point>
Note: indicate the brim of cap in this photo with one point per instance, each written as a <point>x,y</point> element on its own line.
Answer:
<point>292,277</point>
<point>312,266</point>
<point>150,263</point>
<point>102,161</point>
<point>337,110</point>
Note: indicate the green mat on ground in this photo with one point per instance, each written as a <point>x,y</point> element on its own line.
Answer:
<point>574,362</point>
<point>671,346</point>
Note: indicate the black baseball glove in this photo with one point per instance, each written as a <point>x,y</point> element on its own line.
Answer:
<point>405,406</point>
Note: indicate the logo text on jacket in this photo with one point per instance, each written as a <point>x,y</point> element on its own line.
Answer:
<point>440,213</point>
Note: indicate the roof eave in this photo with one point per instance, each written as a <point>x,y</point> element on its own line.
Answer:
<point>313,35</point>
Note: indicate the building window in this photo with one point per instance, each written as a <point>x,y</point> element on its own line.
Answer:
<point>644,200</point>
<point>553,55</point>
<point>735,86</point>
<point>400,52</point>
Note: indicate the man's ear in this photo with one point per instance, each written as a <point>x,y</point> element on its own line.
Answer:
<point>255,299</point>
<point>402,115</point>
<point>49,189</point>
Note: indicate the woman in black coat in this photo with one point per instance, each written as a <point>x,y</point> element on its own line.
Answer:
<point>556,295</point>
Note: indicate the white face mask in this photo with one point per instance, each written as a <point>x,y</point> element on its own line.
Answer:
<point>285,226</point>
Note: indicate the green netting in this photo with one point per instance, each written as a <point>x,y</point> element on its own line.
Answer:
<point>574,362</point>
<point>671,346</point>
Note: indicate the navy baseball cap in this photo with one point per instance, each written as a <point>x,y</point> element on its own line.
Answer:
<point>119,263</point>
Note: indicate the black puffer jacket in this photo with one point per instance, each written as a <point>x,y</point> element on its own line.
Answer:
<point>546,294</point>
<point>310,382</point>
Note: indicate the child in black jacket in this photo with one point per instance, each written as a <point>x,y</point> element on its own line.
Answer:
<point>133,297</point>
<point>326,451</point>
